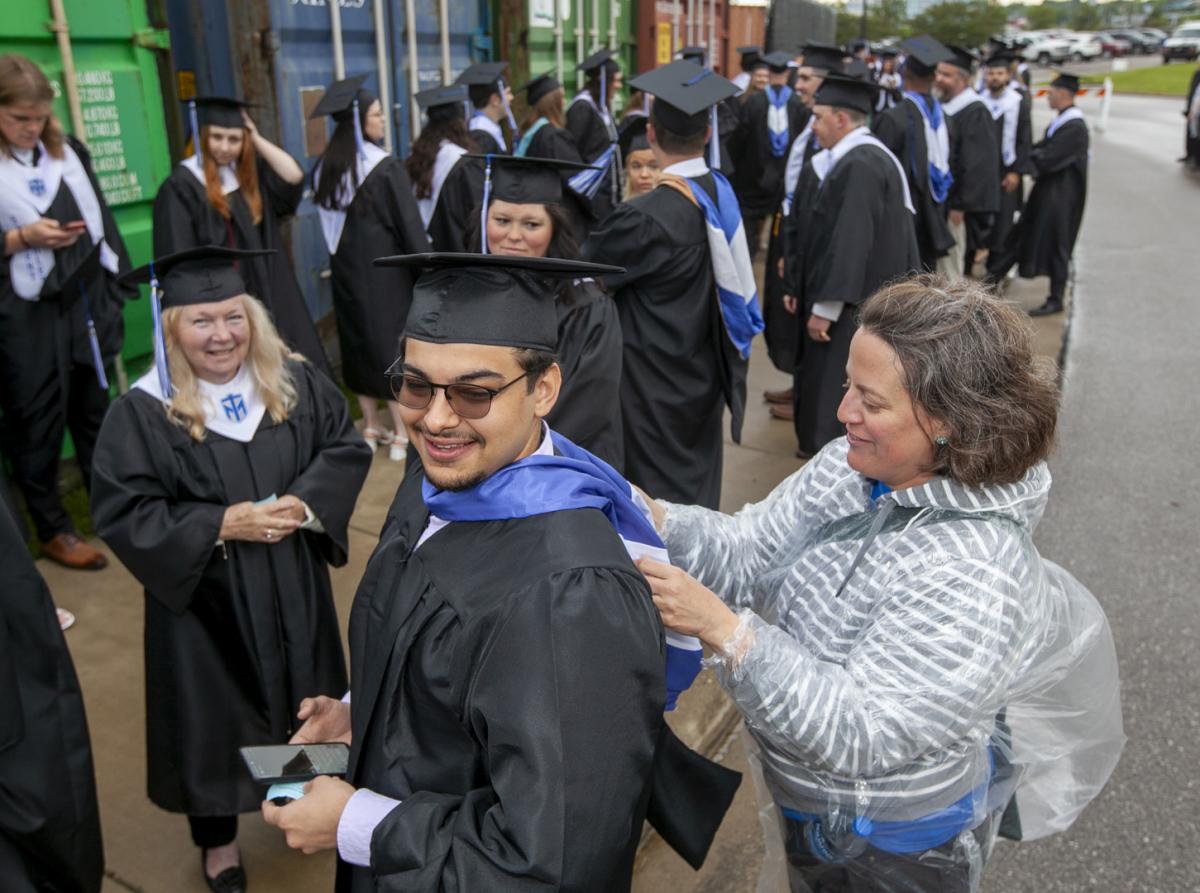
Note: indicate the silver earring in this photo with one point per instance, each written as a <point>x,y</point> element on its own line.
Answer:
<point>941,441</point>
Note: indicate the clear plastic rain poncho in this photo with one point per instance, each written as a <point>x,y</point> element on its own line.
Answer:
<point>905,665</point>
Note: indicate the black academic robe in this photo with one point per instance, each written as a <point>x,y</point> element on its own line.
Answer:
<point>183,218</point>
<point>860,237</point>
<point>759,181</point>
<point>556,142</point>
<point>459,199</point>
<point>371,303</point>
<point>588,410</point>
<point>679,370</point>
<point>49,817</point>
<point>47,376</point>
<point>1012,202</point>
<point>486,143</point>
<point>512,703</point>
<point>236,633</point>
<point>975,165</point>
<point>592,136</point>
<point>902,130</point>
<point>1045,235</point>
<point>1191,144</point>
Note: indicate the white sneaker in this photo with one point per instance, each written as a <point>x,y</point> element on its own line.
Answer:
<point>399,448</point>
<point>377,437</point>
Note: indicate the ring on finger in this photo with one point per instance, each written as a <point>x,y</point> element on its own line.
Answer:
<point>270,534</point>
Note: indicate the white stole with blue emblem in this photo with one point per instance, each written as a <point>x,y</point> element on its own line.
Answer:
<point>233,409</point>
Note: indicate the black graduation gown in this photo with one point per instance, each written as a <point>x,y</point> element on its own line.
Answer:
<point>975,165</point>
<point>759,181</point>
<point>902,129</point>
<point>860,237</point>
<point>236,634</point>
<point>1045,235</point>
<point>486,143</point>
<point>679,368</point>
<point>460,197</point>
<point>49,817</point>
<point>513,703</point>
<point>183,218</point>
<point>557,142</point>
<point>371,303</point>
<point>588,410</point>
<point>592,137</point>
<point>1011,203</point>
<point>1191,145</point>
<point>47,375</point>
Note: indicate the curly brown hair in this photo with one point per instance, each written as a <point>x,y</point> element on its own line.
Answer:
<point>968,361</point>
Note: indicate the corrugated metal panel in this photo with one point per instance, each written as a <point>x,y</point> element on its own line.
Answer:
<point>665,26</point>
<point>792,23</point>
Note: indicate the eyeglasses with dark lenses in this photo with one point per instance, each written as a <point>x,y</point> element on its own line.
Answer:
<point>469,401</point>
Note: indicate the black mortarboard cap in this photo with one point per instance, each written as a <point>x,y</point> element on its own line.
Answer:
<point>777,61</point>
<point>220,111</point>
<point>529,181</point>
<point>999,59</point>
<point>1067,81</point>
<point>855,44</point>
<point>694,54</point>
<point>823,56</point>
<point>539,87</point>
<point>597,59</point>
<point>633,136</point>
<point>750,55</point>
<point>887,52</point>
<point>924,53</point>
<point>857,69</point>
<point>962,57</point>
<point>447,94</point>
<point>684,92</point>
<point>844,91</point>
<point>481,74</point>
<point>488,298</point>
<point>200,275</point>
<point>340,96</point>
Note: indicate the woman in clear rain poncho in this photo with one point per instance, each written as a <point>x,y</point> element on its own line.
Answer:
<point>903,657</point>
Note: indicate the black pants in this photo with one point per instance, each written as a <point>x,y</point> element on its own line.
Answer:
<point>1000,262</point>
<point>752,222</point>
<point>47,386</point>
<point>943,869</point>
<point>209,832</point>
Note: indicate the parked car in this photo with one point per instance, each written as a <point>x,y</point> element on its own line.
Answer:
<point>1044,49</point>
<point>1138,41</point>
<point>1184,43</point>
<point>1085,46</point>
<point>1113,46</point>
<point>1156,36</point>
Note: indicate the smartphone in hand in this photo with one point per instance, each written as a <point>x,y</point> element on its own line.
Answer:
<point>74,226</point>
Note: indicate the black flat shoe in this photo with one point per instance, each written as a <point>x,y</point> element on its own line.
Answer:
<point>1047,309</point>
<point>231,880</point>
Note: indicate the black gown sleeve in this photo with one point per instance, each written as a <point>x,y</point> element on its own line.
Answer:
<point>329,485</point>
<point>165,543</point>
<point>175,217</point>
<point>404,215</point>
<point>548,698</point>
<point>1024,147</point>
<point>857,197</point>
<point>632,239</point>
<point>1060,151</point>
<point>283,197</point>
<point>888,131</point>
<point>974,161</point>
<point>460,196</point>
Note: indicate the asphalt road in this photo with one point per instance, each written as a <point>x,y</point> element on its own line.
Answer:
<point>1125,478</point>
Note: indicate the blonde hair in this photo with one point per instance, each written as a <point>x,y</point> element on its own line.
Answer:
<point>23,82</point>
<point>267,360</point>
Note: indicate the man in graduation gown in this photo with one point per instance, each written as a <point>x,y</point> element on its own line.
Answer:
<point>590,122</point>
<point>49,817</point>
<point>782,334</point>
<point>687,333</point>
<point>860,237</point>
<point>508,663</point>
<point>915,131</point>
<point>1010,109</point>
<point>770,120</point>
<point>1042,241</point>
<point>974,198</point>
<point>491,99</point>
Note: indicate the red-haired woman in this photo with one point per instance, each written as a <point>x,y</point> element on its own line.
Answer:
<point>235,192</point>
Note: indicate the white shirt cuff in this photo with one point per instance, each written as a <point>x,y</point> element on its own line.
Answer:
<point>362,815</point>
<point>311,521</point>
<point>830,310</point>
<point>346,697</point>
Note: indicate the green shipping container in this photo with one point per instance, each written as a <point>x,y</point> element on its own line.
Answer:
<point>528,37</point>
<point>119,56</point>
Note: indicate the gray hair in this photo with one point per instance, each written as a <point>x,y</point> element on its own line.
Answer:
<point>968,361</point>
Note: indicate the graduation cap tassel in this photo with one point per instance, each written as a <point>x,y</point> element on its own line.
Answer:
<point>512,122</point>
<point>93,340</point>
<point>193,121</point>
<point>714,142</point>
<point>483,211</point>
<point>160,344</point>
<point>358,133</point>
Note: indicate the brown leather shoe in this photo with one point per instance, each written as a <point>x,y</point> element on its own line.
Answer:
<point>782,396</point>
<point>782,411</point>
<point>70,551</point>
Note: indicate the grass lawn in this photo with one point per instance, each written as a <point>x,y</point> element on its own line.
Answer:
<point>1161,80</point>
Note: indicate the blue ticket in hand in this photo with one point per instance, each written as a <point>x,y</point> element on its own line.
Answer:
<point>267,500</point>
<point>283,794</point>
